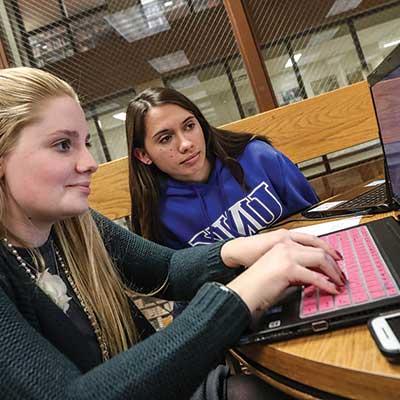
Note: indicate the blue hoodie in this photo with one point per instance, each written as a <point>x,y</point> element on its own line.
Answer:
<point>202,213</point>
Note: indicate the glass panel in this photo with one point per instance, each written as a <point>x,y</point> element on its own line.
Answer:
<point>199,5</point>
<point>111,116</point>
<point>378,34</point>
<point>212,94</point>
<point>327,60</point>
<point>96,147</point>
<point>243,88</point>
<point>176,9</point>
<point>36,13</point>
<point>319,38</point>
<point>113,125</point>
<point>73,7</point>
<point>104,48</point>
<point>281,73</point>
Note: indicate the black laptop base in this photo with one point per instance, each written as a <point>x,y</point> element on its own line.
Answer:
<point>316,327</point>
<point>339,212</point>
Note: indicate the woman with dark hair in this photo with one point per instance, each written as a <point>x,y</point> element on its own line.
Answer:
<point>192,183</point>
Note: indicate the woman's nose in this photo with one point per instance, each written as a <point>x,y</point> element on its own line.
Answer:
<point>185,144</point>
<point>86,162</point>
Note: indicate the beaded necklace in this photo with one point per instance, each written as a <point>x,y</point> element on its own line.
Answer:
<point>35,276</point>
<point>88,311</point>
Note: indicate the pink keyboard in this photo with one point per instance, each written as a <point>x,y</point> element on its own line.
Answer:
<point>369,278</point>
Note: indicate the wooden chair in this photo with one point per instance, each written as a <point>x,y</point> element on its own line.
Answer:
<point>305,130</point>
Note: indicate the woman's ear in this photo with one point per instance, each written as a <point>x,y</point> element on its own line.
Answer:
<point>1,167</point>
<point>142,156</point>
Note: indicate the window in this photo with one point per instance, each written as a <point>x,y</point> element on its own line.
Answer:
<point>281,74</point>
<point>327,59</point>
<point>211,92</point>
<point>379,33</point>
<point>109,138</point>
<point>241,84</point>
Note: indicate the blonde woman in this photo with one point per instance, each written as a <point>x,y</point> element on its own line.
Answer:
<point>67,327</point>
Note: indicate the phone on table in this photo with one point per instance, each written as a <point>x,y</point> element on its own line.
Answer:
<point>385,330</point>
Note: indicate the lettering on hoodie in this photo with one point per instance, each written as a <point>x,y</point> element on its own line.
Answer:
<point>246,217</point>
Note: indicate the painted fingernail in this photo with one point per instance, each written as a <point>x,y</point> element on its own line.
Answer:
<point>335,284</point>
<point>338,289</point>
<point>339,255</point>
<point>344,276</point>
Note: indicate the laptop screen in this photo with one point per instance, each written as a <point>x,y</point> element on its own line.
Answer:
<point>386,97</point>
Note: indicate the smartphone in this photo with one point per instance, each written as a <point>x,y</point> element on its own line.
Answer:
<point>385,330</point>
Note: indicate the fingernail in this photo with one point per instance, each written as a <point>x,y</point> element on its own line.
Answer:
<point>345,279</point>
<point>334,283</point>
<point>339,255</point>
<point>337,288</point>
<point>340,288</point>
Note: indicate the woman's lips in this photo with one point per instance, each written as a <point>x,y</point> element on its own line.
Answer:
<point>192,159</point>
<point>83,187</point>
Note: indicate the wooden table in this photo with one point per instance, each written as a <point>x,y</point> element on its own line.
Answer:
<point>340,364</point>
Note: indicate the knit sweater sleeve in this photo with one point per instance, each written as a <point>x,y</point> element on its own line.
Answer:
<point>146,265</point>
<point>168,365</point>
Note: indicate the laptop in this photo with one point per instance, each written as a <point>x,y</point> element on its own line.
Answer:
<point>371,251</point>
<point>371,255</point>
<point>384,84</point>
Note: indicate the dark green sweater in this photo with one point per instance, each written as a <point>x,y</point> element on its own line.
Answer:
<point>170,364</point>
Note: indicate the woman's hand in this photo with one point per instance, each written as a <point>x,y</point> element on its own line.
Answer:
<point>247,250</point>
<point>286,264</point>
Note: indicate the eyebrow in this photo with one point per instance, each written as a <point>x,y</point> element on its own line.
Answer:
<point>167,130</point>
<point>69,133</point>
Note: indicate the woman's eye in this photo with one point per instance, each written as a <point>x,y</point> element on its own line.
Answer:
<point>165,139</point>
<point>190,126</point>
<point>64,145</point>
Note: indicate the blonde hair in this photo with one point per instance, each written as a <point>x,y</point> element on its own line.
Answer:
<point>22,93</point>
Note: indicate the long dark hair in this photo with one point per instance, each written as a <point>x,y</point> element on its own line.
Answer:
<point>144,180</point>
